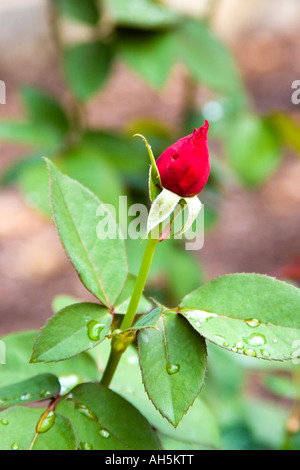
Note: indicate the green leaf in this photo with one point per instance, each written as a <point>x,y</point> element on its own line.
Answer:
<point>126,336</point>
<point>197,428</point>
<point>60,436</point>
<point>93,169</point>
<point>34,184</point>
<point>123,300</point>
<point>150,320</point>
<point>18,349</point>
<point>207,59</point>
<point>142,15</point>
<point>86,11</point>
<point>169,443</point>
<point>44,110</point>
<point>253,149</point>
<point>87,67</point>
<point>18,431</point>
<point>31,133</point>
<point>173,364</point>
<point>150,55</point>
<point>33,389</point>
<point>249,314</point>
<point>100,261</point>
<point>72,330</point>
<point>107,421</point>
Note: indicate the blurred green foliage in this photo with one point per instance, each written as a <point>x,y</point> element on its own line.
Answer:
<point>150,39</point>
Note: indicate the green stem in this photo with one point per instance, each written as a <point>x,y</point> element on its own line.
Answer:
<point>140,283</point>
<point>115,355</point>
<point>111,366</point>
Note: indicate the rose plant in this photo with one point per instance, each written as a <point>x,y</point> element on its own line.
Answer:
<point>125,372</point>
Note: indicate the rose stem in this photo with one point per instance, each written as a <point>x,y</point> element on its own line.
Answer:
<point>128,319</point>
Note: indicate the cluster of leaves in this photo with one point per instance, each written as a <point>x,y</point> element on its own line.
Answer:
<point>248,314</point>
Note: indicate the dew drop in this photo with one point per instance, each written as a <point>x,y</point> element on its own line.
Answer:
<point>86,446</point>
<point>226,344</point>
<point>275,340</point>
<point>172,368</point>
<point>4,421</point>
<point>255,340</point>
<point>94,330</point>
<point>200,316</point>
<point>26,396</point>
<point>220,338</point>
<point>197,324</point>
<point>239,345</point>
<point>104,433</point>
<point>253,322</point>
<point>234,349</point>
<point>116,332</point>
<point>14,446</point>
<point>46,394</point>
<point>47,422</point>
<point>250,352</point>
<point>265,353</point>
<point>82,409</point>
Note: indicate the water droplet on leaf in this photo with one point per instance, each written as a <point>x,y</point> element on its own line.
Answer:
<point>46,394</point>
<point>250,352</point>
<point>255,340</point>
<point>94,330</point>
<point>14,446</point>
<point>104,433</point>
<point>172,368</point>
<point>265,353</point>
<point>47,422</point>
<point>4,421</point>
<point>25,396</point>
<point>86,446</point>
<point>253,322</point>
<point>220,338</point>
<point>117,332</point>
<point>82,409</point>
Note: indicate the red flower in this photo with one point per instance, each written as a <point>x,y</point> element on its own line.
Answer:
<point>184,166</point>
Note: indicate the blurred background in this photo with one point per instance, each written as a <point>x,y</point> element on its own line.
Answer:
<point>82,77</point>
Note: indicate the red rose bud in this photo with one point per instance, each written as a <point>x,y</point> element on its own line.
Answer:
<point>184,167</point>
